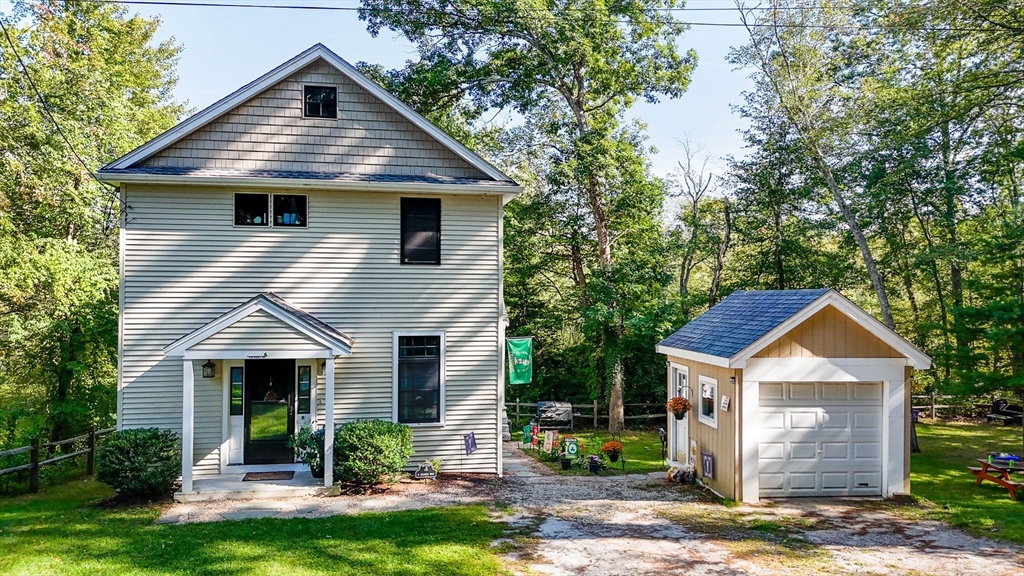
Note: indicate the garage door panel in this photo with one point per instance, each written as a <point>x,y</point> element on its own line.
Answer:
<point>820,439</point>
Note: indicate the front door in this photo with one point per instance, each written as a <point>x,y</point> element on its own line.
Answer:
<point>681,430</point>
<point>269,413</point>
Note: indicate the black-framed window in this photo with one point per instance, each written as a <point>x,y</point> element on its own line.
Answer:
<point>419,379</point>
<point>320,102</point>
<point>236,391</point>
<point>421,231</point>
<point>290,210</point>
<point>252,209</point>
<point>305,375</point>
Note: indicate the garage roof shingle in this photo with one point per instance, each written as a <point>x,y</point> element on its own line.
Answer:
<point>739,320</point>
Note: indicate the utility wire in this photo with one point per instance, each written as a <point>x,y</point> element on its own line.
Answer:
<point>49,113</point>
<point>539,12</point>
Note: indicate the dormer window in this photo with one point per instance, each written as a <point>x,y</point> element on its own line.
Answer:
<point>320,102</point>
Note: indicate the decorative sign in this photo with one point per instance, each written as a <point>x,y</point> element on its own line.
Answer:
<point>693,452</point>
<point>572,447</point>
<point>534,434</point>
<point>520,360</point>
<point>425,472</point>
<point>707,465</point>
<point>549,437</point>
<point>725,403</point>
<point>527,436</point>
<point>470,440</point>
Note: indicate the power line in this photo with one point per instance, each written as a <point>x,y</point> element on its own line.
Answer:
<point>540,12</point>
<point>49,113</point>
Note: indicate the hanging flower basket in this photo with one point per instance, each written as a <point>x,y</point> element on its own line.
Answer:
<point>678,406</point>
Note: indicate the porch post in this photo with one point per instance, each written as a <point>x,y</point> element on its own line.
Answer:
<point>329,423</point>
<point>188,408</point>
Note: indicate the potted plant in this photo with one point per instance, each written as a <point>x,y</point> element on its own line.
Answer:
<point>309,449</point>
<point>612,450</point>
<point>564,460</point>
<point>678,406</point>
<point>594,463</point>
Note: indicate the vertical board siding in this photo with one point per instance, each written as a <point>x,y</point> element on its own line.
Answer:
<point>723,441</point>
<point>185,264</point>
<point>269,132</point>
<point>828,334</point>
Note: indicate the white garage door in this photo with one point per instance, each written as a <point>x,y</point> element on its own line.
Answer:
<point>820,439</point>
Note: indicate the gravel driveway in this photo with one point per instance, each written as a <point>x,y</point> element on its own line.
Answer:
<point>626,525</point>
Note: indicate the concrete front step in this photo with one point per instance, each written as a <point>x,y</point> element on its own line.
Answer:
<point>255,493</point>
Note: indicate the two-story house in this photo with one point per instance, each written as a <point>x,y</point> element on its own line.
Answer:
<point>310,250</point>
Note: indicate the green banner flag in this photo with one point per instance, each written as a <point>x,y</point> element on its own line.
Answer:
<point>520,360</point>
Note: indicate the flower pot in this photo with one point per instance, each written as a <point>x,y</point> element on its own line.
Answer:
<point>317,472</point>
<point>566,464</point>
<point>595,467</point>
<point>613,456</point>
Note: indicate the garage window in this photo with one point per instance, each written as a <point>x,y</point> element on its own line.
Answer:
<point>707,410</point>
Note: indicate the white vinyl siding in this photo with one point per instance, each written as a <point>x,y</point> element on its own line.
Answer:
<point>269,132</point>
<point>208,429</point>
<point>258,332</point>
<point>186,264</point>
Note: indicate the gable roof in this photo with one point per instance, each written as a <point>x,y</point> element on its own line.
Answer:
<point>121,167</point>
<point>330,337</point>
<point>746,321</point>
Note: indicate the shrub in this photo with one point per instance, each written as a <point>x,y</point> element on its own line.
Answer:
<point>309,446</point>
<point>372,451</point>
<point>139,461</point>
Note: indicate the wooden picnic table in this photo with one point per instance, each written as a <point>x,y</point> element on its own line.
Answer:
<point>998,471</point>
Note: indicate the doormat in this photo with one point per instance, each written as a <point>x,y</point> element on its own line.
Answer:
<point>254,476</point>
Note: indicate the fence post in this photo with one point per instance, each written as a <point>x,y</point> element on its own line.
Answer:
<point>33,472</point>
<point>517,411</point>
<point>90,461</point>
<point>933,404</point>
<point>595,414</point>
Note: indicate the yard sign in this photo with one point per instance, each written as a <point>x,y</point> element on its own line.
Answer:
<point>520,360</point>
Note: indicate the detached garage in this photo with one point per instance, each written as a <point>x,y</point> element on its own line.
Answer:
<point>794,393</point>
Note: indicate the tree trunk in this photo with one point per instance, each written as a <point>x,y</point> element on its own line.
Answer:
<point>616,410</point>
<point>858,235</point>
<point>716,280</point>
<point>780,272</point>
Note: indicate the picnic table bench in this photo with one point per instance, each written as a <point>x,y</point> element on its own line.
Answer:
<point>998,471</point>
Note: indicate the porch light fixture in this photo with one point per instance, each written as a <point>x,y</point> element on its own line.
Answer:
<point>209,369</point>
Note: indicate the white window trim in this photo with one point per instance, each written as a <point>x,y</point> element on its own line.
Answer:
<point>270,211</point>
<point>394,377</point>
<point>713,421</point>
<point>337,100</point>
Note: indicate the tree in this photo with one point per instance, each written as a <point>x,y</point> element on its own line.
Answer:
<point>581,63</point>
<point>109,86</point>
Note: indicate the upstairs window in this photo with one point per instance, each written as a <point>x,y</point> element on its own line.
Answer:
<point>251,210</point>
<point>421,231</point>
<point>320,102</point>
<point>289,210</point>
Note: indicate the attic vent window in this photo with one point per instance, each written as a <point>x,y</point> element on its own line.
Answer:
<point>320,102</point>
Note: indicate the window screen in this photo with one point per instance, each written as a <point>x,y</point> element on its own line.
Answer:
<point>419,379</point>
<point>304,387</point>
<point>289,210</point>
<point>321,102</point>
<point>236,391</point>
<point>251,210</point>
<point>421,231</point>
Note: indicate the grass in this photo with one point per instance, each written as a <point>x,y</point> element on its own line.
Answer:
<point>641,449</point>
<point>939,476</point>
<point>62,531</point>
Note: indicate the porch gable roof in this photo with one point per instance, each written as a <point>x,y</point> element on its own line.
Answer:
<point>323,334</point>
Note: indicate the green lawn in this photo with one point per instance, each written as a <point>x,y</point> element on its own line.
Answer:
<point>59,531</point>
<point>641,448</point>
<point>939,475</point>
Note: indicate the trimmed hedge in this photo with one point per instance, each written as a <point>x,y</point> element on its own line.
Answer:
<point>372,451</point>
<point>139,461</point>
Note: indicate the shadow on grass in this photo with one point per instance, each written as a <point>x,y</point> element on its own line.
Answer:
<point>59,533</point>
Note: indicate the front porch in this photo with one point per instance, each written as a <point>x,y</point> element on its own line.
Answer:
<point>231,486</point>
<point>257,387</point>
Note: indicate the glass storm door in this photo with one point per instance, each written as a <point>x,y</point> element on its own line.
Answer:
<point>269,411</point>
<point>681,428</point>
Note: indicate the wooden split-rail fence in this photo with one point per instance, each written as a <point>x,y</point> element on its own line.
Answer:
<point>518,412</point>
<point>37,447</point>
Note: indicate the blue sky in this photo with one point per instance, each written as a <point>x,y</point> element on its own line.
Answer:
<point>228,47</point>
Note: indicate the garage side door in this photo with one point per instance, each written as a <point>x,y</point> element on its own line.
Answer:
<point>820,439</point>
